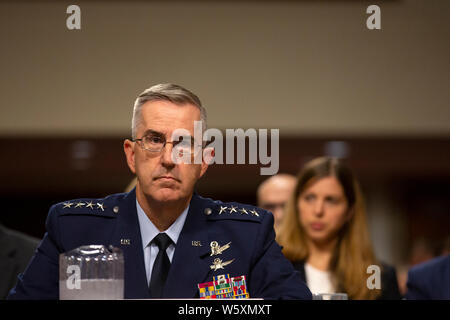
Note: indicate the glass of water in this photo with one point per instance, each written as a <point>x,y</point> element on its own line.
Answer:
<point>92,272</point>
<point>330,296</point>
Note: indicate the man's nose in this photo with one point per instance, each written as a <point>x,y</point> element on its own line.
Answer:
<point>166,155</point>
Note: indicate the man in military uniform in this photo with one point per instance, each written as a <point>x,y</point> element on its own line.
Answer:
<point>172,238</point>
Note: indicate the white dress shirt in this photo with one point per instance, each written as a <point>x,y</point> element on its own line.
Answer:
<point>149,231</point>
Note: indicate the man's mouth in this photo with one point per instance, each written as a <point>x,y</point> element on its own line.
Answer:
<point>167,178</point>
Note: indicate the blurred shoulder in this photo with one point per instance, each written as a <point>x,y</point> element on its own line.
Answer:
<point>17,238</point>
<point>434,266</point>
<point>428,280</point>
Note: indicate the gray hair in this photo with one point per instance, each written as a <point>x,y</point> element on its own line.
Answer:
<point>166,92</point>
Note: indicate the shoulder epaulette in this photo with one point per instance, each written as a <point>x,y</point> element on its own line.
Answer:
<point>100,207</point>
<point>234,210</point>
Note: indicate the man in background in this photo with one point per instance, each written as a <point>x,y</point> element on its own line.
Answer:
<point>273,193</point>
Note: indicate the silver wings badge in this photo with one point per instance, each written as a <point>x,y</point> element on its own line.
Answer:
<point>216,249</point>
<point>219,264</point>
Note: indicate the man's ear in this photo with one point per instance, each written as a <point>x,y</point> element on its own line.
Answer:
<point>128,148</point>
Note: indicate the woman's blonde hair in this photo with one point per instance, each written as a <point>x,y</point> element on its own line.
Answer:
<point>353,252</point>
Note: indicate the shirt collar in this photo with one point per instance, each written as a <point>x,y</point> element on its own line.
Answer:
<point>149,230</point>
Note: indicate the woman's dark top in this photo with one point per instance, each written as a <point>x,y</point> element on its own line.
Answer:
<point>389,285</point>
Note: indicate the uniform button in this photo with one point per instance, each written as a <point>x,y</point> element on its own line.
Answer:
<point>116,209</point>
<point>208,211</point>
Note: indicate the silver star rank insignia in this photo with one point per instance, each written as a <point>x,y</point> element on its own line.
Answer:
<point>67,204</point>
<point>242,210</point>
<point>79,205</point>
<point>253,212</point>
<point>222,209</point>
<point>90,205</point>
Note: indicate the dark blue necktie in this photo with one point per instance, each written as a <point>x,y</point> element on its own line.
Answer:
<point>161,266</point>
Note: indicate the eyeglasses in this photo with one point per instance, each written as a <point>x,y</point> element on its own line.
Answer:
<point>155,142</point>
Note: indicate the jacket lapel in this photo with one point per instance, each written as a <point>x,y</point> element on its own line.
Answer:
<point>189,264</point>
<point>300,267</point>
<point>127,228</point>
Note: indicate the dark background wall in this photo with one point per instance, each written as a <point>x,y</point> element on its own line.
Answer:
<point>412,174</point>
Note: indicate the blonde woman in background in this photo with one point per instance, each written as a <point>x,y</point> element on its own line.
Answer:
<point>324,233</point>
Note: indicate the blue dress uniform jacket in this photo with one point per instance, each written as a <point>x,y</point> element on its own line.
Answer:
<point>430,280</point>
<point>113,221</point>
